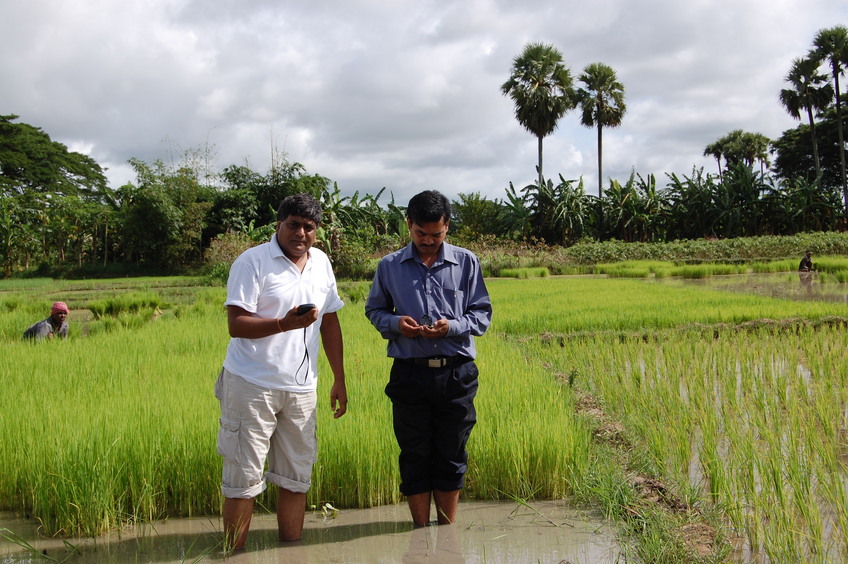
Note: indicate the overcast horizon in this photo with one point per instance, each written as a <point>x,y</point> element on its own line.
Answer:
<point>401,95</point>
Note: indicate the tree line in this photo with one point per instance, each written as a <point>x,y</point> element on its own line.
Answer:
<point>58,215</point>
<point>543,91</point>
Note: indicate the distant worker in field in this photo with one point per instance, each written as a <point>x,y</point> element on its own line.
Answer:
<point>806,264</point>
<point>429,301</point>
<point>54,326</point>
<point>281,304</point>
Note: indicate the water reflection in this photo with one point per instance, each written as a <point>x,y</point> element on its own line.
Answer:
<point>806,280</point>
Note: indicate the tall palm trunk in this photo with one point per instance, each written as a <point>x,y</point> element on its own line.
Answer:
<point>841,137</point>
<point>814,140</point>
<point>541,176</point>
<point>600,161</point>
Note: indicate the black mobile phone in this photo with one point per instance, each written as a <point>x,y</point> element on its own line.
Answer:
<point>301,309</point>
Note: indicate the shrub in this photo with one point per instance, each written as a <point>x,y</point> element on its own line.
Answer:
<point>353,261</point>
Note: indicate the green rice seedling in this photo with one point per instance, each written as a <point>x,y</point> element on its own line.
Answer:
<point>634,269</point>
<point>628,272</point>
<point>123,429</point>
<point>357,454</point>
<point>706,270</point>
<point>512,452</point>
<point>570,269</point>
<point>833,484</point>
<point>662,271</point>
<point>782,481</point>
<point>605,485</point>
<point>746,405</point>
<point>11,302</point>
<point>109,435</point>
<point>353,292</point>
<point>575,305</point>
<point>130,435</point>
<point>774,266</point>
<point>125,303</point>
<point>828,263</point>
<point>535,272</point>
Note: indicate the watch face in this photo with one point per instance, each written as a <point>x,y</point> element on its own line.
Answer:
<point>426,320</point>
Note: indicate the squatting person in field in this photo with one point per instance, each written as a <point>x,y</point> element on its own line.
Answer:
<point>429,301</point>
<point>806,264</point>
<point>267,387</point>
<point>805,271</point>
<point>54,326</point>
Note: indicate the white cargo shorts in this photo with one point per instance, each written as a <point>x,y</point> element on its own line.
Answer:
<point>258,424</point>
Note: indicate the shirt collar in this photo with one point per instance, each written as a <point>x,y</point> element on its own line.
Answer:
<point>277,251</point>
<point>446,254</point>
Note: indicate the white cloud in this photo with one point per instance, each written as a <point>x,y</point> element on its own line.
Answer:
<point>402,94</point>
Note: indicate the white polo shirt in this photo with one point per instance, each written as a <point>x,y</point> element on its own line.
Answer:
<point>265,282</point>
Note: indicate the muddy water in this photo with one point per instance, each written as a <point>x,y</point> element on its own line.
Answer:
<point>787,285</point>
<point>545,532</point>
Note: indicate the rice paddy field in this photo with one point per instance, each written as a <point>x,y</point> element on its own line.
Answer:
<point>735,403</point>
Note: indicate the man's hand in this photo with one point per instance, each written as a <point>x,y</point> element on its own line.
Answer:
<point>338,400</point>
<point>411,328</point>
<point>435,331</point>
<point>408,327</point>
<point>294,321</point>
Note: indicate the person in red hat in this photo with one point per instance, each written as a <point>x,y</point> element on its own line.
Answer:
<point>54,326</point>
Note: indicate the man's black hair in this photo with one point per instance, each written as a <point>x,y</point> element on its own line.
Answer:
<point>301,205</point>
<point>428,206</point>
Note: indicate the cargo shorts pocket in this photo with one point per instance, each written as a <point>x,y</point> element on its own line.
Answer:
<point>219,386</point>
<point>228,439</point>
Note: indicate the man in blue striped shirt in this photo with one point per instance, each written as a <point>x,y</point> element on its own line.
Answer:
<point>429,301</point>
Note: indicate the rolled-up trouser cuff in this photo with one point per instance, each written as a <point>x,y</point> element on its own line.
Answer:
<point>287,483</point>
<point>449,485</point>
<point>244,493</point>
<point>440,485</point>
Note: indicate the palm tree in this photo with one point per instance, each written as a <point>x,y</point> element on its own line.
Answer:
<point>716,150</point>
<point>831,46</point>
<point>542,89</point>
<point>755,147</point>
<point>807,93</point>
<point>602,102</point>
<point>740,146</point>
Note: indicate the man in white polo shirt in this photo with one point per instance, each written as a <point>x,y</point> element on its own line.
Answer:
<point>267,387</point>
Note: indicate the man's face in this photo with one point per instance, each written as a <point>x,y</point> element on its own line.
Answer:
<point>428,237</point>
<point>295,235</point>
<point>59,317</point>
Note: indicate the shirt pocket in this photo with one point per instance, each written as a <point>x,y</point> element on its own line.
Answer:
<point>453,302</point>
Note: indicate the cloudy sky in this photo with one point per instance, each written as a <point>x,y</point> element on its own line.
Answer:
<point>397,94</point>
